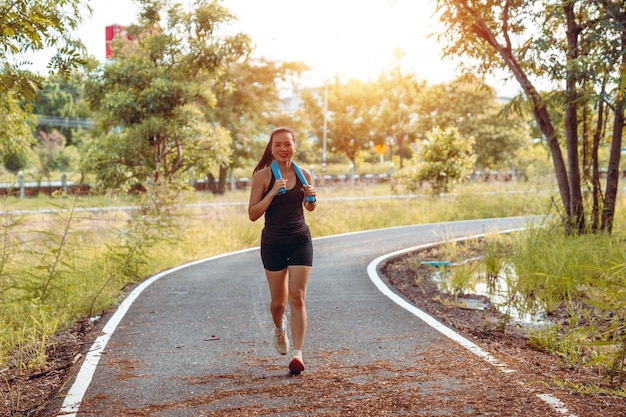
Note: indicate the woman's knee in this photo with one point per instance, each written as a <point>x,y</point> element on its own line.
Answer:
<point>278,303</point>
<point>297,300</point>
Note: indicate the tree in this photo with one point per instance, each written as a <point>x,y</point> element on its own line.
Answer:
<point>53,154</point>
<point>27,27</point>
<point>399,94</point>
<point>352,110</point>
<point>446,158</point>
<point>577,44</point>
<point>154,101</point>
<point>63,99</point>
<point>471,106</point>
<point>498,137</point>
<point>248,100</point>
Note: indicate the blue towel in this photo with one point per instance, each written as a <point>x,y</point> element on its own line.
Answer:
<point>277,175</point>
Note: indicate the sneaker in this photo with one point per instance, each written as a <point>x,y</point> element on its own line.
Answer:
<point>297,364</point>
<point>281,341</point>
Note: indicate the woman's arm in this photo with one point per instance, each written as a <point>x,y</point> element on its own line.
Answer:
<point>310,190</point>
<point>259,203</point>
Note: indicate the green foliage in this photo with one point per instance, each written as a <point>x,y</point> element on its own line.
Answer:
<point>54,155</point>
<point>155,97</point>
<point>575,284</point>
<point>495,256</point>
<point>576,49</point>
<point>248,103</point>
<point>471,106</point>
<point>533,161</point>
<point>585,276</point>
<point>350,108</point>
<point>63,98</point>
<point>445,160</point>
<point>399,94</point>
<point>27,27</point>
<point>66,267</point>
<point>17,161</point>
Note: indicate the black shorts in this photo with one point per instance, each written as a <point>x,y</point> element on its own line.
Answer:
<point>277,257</point>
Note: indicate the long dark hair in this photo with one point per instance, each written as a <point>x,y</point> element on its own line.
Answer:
<point>267,157</point>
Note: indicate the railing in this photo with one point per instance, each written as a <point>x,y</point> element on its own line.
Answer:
<point>24,189</point>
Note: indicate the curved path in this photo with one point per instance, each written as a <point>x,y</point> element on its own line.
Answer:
<point>196,341</point>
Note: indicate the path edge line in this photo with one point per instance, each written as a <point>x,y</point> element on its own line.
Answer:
<point>74,397</point>
<point>372,271</point>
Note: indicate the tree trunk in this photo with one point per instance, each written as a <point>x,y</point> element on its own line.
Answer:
<point>544,121</point>
<point>612,179</point>
<point>221,186</point>
<point>595,167</point>
<point>400,142</point>
<point>575,210</point>
<point>539,109</point>
<point>217,186</point>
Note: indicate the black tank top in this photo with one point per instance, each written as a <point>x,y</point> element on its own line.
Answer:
<point>284,218</point>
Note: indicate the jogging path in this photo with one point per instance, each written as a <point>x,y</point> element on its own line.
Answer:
<point>197,341</point>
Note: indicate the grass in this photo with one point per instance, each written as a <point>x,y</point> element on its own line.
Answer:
<point>64,264</point>
<point>578,282</point>
<point>584,278</point>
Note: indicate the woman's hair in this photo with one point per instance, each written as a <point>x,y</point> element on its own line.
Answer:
<point>267,157</point>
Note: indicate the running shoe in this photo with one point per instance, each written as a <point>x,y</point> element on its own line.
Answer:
<point>297,364</point>
<point>281,341</point>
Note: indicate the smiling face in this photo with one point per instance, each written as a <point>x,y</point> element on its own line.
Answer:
<point>283,146</point>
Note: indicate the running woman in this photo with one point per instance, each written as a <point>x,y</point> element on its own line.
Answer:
<point>286,245</point>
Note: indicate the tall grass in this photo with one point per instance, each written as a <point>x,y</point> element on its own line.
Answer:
<point>60,265</point>
<point>584,278</point>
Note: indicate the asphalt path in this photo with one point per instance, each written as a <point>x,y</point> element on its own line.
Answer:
<point>197,341</point>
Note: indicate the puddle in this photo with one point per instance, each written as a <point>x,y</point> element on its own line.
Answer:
<point>499,290</point>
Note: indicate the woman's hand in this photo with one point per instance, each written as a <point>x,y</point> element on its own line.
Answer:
<point>278,184</point>
<point>309,191</point>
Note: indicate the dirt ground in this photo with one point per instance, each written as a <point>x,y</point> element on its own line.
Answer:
<point>27,392</point>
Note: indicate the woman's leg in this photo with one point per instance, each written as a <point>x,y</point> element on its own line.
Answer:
<point>298,279</point>
<point>277,282</point>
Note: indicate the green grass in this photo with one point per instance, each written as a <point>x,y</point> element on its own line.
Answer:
<point>585,278</point>
<point>58,267</point>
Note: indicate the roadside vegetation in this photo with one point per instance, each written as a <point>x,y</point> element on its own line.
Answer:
<point>568,292</point>
<point>66,263</point>
<point>184,99</point>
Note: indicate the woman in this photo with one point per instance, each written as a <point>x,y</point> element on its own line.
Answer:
<point>286,246</point>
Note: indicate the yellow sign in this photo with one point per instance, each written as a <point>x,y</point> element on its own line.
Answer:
<point>381,149</point>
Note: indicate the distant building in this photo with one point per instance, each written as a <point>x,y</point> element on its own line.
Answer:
<point>110,33</point>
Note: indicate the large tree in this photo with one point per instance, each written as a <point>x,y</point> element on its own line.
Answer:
<point>154,100</point>
<point>398,113</point>
<point>471,106</point>
<point>579,47</point>
<point>248,102</point>
<point>28,27</point>
<point>352,109</point>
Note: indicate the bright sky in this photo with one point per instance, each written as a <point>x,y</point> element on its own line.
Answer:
<point>354,38</point>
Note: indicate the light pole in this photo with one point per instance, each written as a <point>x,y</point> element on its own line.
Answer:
<point>325,126</point>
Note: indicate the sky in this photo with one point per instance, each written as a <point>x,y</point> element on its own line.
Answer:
<point>352,38</point>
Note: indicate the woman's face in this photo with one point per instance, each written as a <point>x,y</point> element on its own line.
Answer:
<point>283,146</point>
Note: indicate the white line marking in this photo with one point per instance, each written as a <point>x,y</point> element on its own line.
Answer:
<point>75,395</point>
<point>427,318</point>
<point>557,404</point>
<point>73,399</point>
<point>372,272</point>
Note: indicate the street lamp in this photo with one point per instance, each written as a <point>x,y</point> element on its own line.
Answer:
<point>325,126</point>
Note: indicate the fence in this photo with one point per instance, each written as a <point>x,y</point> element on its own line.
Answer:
<point>28,189</point>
